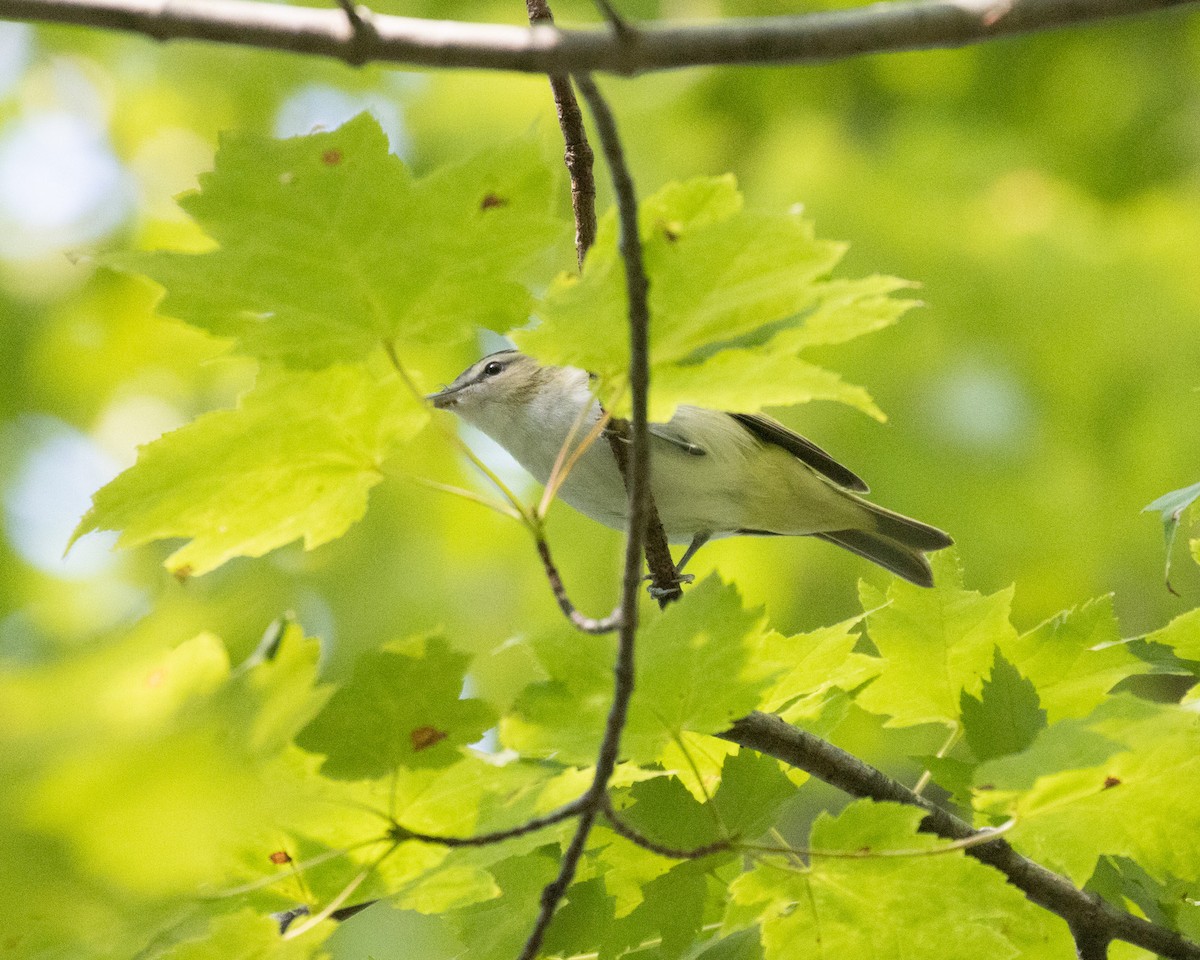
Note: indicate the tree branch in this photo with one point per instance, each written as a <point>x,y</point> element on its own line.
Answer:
<point>1093,921</point>
<point>637,287</point>
<point>802,38</point>
<point>577,154</point>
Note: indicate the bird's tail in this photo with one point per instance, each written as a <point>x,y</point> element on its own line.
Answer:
<point>895,542</point>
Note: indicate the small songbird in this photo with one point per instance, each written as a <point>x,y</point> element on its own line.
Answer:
<point>713,474</point>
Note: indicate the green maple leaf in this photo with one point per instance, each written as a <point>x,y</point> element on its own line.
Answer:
<point>327,245</point>
<point>402,707</point>
<point>1007,715</point>
<point>681,654</point>
<point>296,458</point>
<point>1182,635</point>
<point>815,664</point>
<point>937,643</point>
<point>735,296</point>
<point>947,906</point>
<point>748,801</point>
<point>1133,802</point>
<point>1074,659</point>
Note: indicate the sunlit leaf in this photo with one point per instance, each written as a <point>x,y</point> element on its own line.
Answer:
<point>246,935</point>
<point>1074,659</point>
<point>1127,803</point>
<point>1182,635</point>
<point>937,643</point>
<point>327,246</point>
<point>708,634</point>
<point>295,459</point>
<point>168,802</point>
<point>732,297</point>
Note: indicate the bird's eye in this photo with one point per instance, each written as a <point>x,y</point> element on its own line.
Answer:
<point>493,368</point>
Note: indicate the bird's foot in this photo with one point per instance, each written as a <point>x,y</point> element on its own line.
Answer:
<point>661,593</point>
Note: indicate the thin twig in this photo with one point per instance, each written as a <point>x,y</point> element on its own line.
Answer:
<point>637,290</point>
<point>514,501</point>
<point>586,624</point>
<point>577,154</point>
<point>797,38</point>
<point>343,895</point>
<point>362,31</point>
<point>984,835</point>
<point>400,833</point>
<point>613,16</point>
<point>1091,919</point>
<point>623,829</point>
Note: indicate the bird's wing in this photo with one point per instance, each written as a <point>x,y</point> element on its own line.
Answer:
<point>772,431</point>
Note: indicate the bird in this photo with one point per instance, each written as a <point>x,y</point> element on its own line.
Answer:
<point>713,474</point>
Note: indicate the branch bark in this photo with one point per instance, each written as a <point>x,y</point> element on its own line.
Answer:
<point>802,38</point>
<point>1093,921</point>
<point>637,287</point>
<point>577,153</point>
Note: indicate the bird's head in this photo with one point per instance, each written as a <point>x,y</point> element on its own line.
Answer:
<point>506,378</point>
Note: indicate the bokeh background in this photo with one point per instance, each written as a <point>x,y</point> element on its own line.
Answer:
<point>1045,192</point>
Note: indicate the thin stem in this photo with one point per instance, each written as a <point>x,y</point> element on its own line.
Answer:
<point>577,152</point>
<point>985,835</point>
<point>623,829</point>
<point>400,833</point>
<point>567,457</point>
<point>637,289</point>
<point>501,508</point>
<point>451,435</point>
<point>311,862</point>
<point>330,908</point>
<point>586,624</point>
<point>927,775</point>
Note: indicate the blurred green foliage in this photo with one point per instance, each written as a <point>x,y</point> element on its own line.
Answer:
<point>1044,192</point>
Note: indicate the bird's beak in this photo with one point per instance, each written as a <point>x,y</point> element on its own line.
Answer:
<point>445,398</point>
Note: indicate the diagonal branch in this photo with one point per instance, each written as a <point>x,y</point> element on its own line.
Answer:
<point>1093,921</point>
<point>800,38</point>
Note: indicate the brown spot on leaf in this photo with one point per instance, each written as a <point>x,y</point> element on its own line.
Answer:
<point>182,574</point>
<point>670,234</point>
<point>986,786</point>
<point>1110,782</point>
<point>425,737</point>
<point>491,201</point>
<point>280,857</point>
<point>331,157</point>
